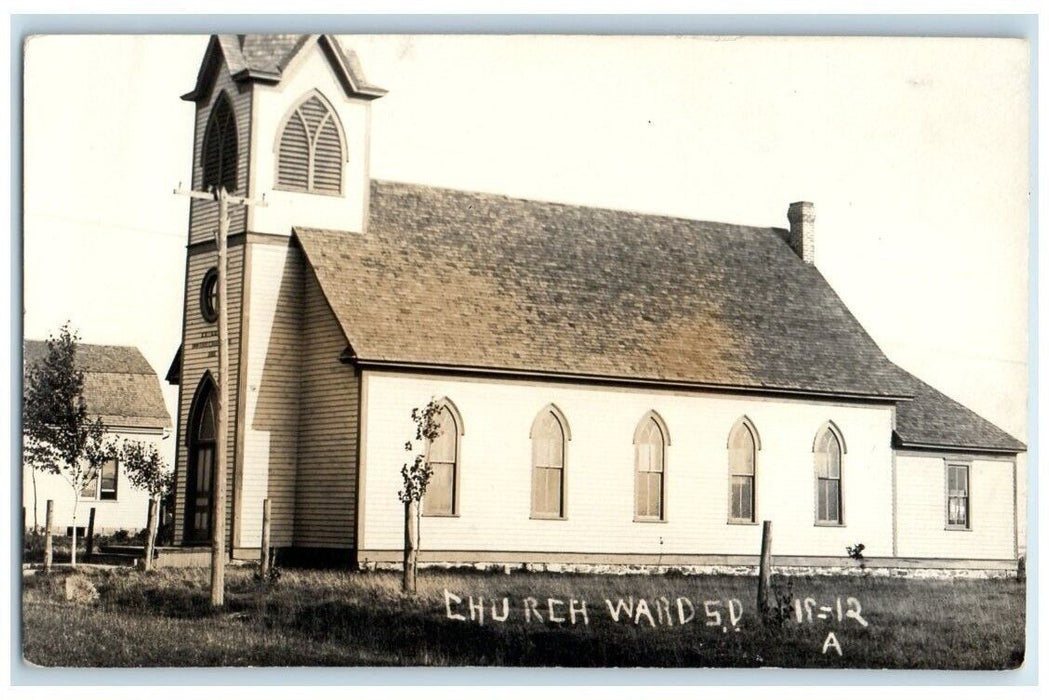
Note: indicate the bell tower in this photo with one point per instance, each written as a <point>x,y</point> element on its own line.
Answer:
<point>300,108</point>
<point>282,118</point>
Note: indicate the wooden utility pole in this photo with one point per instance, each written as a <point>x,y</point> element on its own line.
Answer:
<point>765,570</point>
<point>218,494</point>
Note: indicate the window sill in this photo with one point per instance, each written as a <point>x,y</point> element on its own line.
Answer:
<point>819,524</point>
<point>650,520</point>
<point>302,190</point>
<point>536,516</point>
<point>958,528</point>
<point>741,522</point>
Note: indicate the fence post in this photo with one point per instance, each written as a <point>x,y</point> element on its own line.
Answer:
<point>765,570</point>
<point>264,562</point>
<point>49,530</point>
<point>151,534</point>
<point>90,535</point>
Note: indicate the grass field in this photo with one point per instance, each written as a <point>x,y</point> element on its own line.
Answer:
<point>339,618</point>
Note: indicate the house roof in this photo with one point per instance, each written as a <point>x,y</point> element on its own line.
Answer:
<point>934,420</point>
<point>263,58</point>
<point>120,386</point>
<point>481,281</point>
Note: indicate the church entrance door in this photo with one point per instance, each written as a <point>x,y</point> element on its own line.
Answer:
<point>200,475</point>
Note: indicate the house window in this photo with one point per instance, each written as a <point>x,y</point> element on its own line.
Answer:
<point>742,459</point>
<point>108,484</point>
<point>218,156</point>
<point>958,496</point>
<point>827,451</point>
<point>443,457</point>
<point>310,150</point>
<point>103,483</point>
<point>650,443</point>
<point>548,464</point>
<point>209,292</point>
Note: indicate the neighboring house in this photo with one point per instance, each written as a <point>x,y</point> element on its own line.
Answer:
<point>616,388</point>
<point>123,390</point>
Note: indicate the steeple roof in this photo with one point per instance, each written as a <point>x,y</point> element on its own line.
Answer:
<point>264,57</point>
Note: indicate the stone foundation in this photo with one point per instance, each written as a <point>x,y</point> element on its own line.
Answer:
<point>703,570</point>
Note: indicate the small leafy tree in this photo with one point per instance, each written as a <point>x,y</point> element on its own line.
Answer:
<point>147,470</point>
<point>59,436</point>
<point>416,475</point>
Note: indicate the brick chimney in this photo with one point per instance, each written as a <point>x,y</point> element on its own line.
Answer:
<point>802,236</point>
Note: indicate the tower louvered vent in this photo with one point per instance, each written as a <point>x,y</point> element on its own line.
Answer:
<point>219,152</point>
<point>311,155</point>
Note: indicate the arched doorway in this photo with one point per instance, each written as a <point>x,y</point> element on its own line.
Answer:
<point>200,472</point>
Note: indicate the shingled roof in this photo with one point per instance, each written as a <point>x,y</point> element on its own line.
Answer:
<point>263,58</point>
<point>934,420</point>
<point>120,386</point>
<point>482,281</point>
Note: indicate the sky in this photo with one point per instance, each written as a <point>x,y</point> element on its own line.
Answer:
<point>914,151</point>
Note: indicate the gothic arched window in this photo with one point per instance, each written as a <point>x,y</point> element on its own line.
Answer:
<point>650,460</point>
<point>310,152</point>
<point>549,435</point>
<point>218,156</point>
<point>442,454</point>
<point>827,452</point>
<point>742,471</point>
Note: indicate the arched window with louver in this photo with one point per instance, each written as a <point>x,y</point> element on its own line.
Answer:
<point>218,157</point>
<point>310,151</point>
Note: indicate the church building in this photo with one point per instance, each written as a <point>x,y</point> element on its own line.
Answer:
<point>616,389</point>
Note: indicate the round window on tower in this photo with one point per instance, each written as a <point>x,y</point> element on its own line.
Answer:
<point>209,295</point>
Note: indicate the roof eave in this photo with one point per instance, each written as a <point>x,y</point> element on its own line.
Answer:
<point>348,356</point>
<point>902,443</point>
<point>198,87</point>
<point>253,75</point>
<point>354,85</point>
<point>174,373</point>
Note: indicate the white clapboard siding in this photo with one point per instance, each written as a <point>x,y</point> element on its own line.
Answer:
<point>272,398</point>
<point>126,512</point>
<point>199,356</point>
<point>204,214</point>
<point>495,481</point>
<point>921,509</point>
<point>326,489</point>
